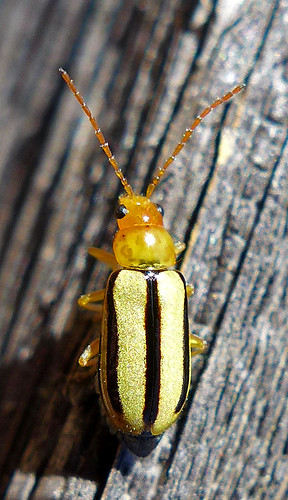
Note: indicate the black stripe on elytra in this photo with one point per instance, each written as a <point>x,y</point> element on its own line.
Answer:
<point>152,324</point>
<point>112,346</point>
<point>186,353</point>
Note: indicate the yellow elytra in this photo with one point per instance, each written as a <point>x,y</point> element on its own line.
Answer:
<point>145,348</point>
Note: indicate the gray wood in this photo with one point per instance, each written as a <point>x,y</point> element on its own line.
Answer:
<point>146,69</point>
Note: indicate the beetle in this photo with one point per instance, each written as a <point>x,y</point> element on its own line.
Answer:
<point>145,348</point>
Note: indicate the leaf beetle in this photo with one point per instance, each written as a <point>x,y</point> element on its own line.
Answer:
<point>144,352</point>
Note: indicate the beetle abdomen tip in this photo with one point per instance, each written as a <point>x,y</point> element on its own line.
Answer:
<point>141,445</point>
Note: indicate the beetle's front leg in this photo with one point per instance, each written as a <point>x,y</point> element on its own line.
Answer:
<point>179,247</point>
<point>106,257</point>
<point>197,345</point>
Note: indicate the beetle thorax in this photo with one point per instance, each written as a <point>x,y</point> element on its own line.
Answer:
<point>142,242</point>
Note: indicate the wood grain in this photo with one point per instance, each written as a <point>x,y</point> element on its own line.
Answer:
<point>146,69</point>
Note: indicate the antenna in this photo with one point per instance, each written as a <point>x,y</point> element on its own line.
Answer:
<point>188,134</point>
<point>103,144</point>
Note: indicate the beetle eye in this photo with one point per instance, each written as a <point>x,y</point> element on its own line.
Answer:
<point>121,211</point>
<point>160,209</point>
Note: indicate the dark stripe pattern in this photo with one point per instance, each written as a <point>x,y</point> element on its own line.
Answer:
<point>153,314</point>
<point>153,348</point>
<point>112,346</point>
<point>186,349</point>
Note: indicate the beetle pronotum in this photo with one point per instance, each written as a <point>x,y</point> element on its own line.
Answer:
<point>145,348</point>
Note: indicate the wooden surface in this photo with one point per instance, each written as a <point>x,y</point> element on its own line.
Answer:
<point>146,68</point>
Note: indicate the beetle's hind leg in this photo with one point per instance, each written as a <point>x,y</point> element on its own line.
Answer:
<point>90,355</point>
<point>88,359</point>
<point>197,345</point>
<point>189,290</point>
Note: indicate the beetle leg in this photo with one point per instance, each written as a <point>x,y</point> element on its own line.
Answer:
<point>85,301</point>
<point>106,257</point>
<point>189,290</point>
<point>89,356</point>
<point>197,345</point>
<point>179,247</point>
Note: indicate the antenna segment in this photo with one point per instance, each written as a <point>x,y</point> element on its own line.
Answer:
<point>103,144</point>
<point>187,135</point>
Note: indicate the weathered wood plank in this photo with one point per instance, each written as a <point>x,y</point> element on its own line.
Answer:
<point>146,69</point>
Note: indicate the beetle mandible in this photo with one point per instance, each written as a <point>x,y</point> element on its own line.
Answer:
<point>145,348</point>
